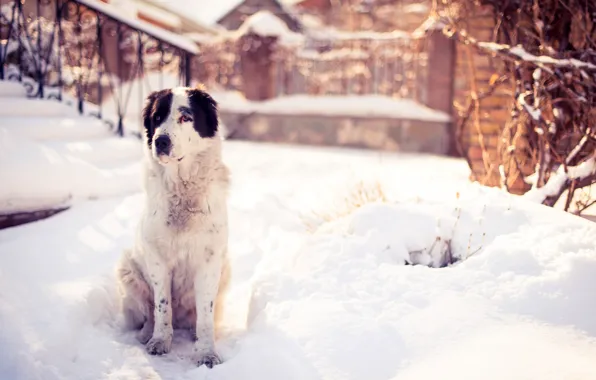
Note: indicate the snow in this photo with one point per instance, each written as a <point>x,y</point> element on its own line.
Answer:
<point>52,157</point>
<point>323,294</point>
<point>265,24</point>
<point>534,113</point>
<point>351,105</point>
<point>23,106</point>
<point>557,180</point>
<point>157,14</point>
<point>520,52</point>
<point>203,11</point>
<point>200,38</point>
<point>232,101</point>
<point>9,89</point>
<point>330,105</point>
<point>154,31</point>
<point>334,34</point>
<point>332,55</point>
<point>39,175</point>
<point>44,128</point>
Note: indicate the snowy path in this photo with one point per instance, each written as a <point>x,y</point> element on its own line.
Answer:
<point>335,304</point>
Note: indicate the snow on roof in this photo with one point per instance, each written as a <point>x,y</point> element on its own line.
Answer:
<point>190,13</point>
<point>206,12</point>
<point>152,30</point>
<point>200,37</point>
<point>157,14</point>
<point>264,24</point>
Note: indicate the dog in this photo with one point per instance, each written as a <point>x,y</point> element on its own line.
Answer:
<point>177,272</point>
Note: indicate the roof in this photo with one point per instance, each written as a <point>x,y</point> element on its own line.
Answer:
<point>202,13</point>
<point>285,13</point>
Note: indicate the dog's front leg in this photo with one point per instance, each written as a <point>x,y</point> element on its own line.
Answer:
<point>161,282</point>
<point>206,287</point>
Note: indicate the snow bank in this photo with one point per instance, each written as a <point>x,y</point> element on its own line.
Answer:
<point>12,89</point>
<point>342,302</point>
<point>351,105</point>
<point>331,105</point>
<point>40,176</point>
<point>337,303</point>
<point>232,101</point>
<point>41,128</point>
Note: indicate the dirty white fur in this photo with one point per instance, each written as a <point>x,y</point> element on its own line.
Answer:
<point>177,271</point>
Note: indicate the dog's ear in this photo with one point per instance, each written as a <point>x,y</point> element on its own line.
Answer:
<point>147,115</point>
<point>204,109</point>
<point>156,110</point>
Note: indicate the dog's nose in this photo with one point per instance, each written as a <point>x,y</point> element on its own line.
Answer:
<point>163,144</point>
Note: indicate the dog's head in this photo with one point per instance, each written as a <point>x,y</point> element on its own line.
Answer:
<point>179,122</point>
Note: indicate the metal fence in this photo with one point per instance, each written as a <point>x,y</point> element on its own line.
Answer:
<point>85,53</point>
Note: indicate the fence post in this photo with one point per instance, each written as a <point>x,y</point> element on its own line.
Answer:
<point>257,66</point>
<point>439,91</point>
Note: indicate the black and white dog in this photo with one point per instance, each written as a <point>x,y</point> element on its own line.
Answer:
<point>177,272</point>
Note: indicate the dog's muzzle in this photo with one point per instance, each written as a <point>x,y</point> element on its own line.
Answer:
<point>163,145</point>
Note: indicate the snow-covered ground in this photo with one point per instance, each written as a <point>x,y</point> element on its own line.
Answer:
<point>320,289</point>
<point>50,156</point>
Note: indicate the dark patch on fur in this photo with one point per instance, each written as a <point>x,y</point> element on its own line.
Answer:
<point>204,110</point>
<point>181,210</point>
<point>208,254</point>
<point>211,306</point>
<point>156,111</point>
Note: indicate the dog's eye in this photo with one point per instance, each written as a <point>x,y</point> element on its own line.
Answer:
<point>184,119</point>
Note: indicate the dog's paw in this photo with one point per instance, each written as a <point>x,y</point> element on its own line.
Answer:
<point>209,359</point>
<point>157,346</point>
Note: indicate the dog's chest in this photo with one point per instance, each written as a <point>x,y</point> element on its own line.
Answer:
<point>186,206</point>
<point>184,211</point>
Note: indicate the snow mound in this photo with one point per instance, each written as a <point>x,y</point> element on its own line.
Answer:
<point>41,176</point>
<point>516,306</point>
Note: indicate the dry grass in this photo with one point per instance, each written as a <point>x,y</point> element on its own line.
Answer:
<point>358,195</point>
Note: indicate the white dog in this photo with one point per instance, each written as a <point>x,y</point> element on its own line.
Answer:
<point>177,272</point>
